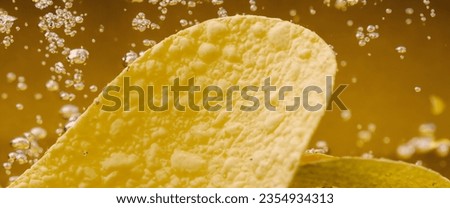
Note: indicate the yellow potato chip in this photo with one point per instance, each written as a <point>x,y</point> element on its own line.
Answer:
<point>135,146</point>
<point>349,172</point>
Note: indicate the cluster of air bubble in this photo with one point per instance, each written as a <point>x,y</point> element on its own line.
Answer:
<point>21,85</point>
<point>401,50</point>
<point>141,23</point>
<point>42,4</point>
<point>69,80</point>
<point>54,41</point>
<point>366,35</point>
<point>432,12</point>
<point>365,135</point>
<point>78,56</point>
<point>344,4</point>
<point>66,77</point>
<point>321,147</point>
<point>426,142</point>
<point>6,23</point>
<point>70,114</point>
<point>129,58</point>
<point>62,18</point>
<point>12,78</point>
<point>253,6</point>
<point>26,150</point>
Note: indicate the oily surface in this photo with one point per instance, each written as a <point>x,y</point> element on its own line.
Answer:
<point>198,149</point>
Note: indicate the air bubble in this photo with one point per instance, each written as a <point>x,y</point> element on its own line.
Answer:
<point>93,88</point>
<point>364,135</point>
<point>191,4</point>
<point>64,95</point>
<point>69,110</point>
<point>422,144</point>
<point>149,43</point>
<point>322,147</point>
<point>20,143</point>
<point>359,35</point>
<point>78,56</point>
<point>422,18</point>
<point>59,131</point>
<point>217,2</point>
<point>222,12</point>
<point>39,120</point>
<point>372,127</point>
<point>346,115</point>
<point>349,23</point>
<point>368,155</point>
<point>432,13</point>
<point>292,12</point>
<point>401,49</point>
<point>427,129</point>
<point>19,106</point>
<point>22,86</point>
<point>101,28</point>
<point>408,21</point>
<point>312,11</point>
<point>12,157</point>
<point>68,83</point>
<point>78,76</point>
<point>79,86</point>
<point>371,28</point>
<point>39,132</point>
<point>183,23</point>
<point>38,96</point>
<point>12,178</point>
<point>4,96</point>
<point>405,151</point>
<point>409,11</point>
<point>69,125</point>
<point>79,19</point>
<point>59,68</point>
<point>11,77</point>
<point>52,85</point>
<point>21,158</point>
<point>442,150</point>
<point>362,43</point>
<point>417,89</point>
<point>7,166</point>
<point>129,58</point>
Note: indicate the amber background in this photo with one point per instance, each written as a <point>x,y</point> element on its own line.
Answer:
<point>384,93</point>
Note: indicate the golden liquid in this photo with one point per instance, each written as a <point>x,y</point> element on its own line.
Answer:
<point>383,94</point>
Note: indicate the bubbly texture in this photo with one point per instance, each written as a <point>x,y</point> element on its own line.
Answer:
<point>198,149</point>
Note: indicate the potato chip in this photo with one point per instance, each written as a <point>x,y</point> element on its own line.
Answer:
<point>134,145</point>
